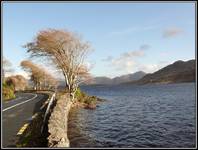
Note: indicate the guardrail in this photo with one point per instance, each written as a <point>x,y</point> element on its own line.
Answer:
<point>47,110</point>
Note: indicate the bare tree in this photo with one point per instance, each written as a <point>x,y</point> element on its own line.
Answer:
<point>7,67</point>
<point>18,81</point>
<point>33,71</point>
<point>40,77</point>
<point>67,50</point>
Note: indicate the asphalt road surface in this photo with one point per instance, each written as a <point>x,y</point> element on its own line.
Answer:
<point>16,112</point>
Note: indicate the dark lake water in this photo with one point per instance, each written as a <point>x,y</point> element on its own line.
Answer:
<point>137,116</point>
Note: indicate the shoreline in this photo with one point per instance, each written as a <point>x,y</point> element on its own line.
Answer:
<point>58,121</point>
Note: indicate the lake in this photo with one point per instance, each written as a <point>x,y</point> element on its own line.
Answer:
<point>137,116</point>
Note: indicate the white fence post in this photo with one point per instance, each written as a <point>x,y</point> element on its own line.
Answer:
<point>47,110</point>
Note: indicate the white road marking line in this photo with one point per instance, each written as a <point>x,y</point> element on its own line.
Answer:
<point>14,99</point>
<point>20,103</point>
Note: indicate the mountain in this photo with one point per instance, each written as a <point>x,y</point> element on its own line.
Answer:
<point>179,71</point>
<point>129,77</point>
<point>121,79</point>
<point>101,80</point>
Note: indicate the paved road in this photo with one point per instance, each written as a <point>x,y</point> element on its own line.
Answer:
<point>18,111</point>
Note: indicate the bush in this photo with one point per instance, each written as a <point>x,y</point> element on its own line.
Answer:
<point>80,95</point>
<point>8,91</point>
<point>90,100</point>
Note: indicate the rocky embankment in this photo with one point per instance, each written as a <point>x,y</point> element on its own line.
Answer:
<point>57,126</point>
<point>58,121</point>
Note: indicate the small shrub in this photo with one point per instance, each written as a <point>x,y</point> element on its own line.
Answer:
<point>8,91</point>
<point>80,95</point>
<point>90,100</point>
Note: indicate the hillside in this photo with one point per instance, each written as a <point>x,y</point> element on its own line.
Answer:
<point>179,71</point>
<point>120,79</point>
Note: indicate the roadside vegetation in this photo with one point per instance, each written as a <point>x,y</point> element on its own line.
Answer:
<point>8,91</point>
<point>12,84</point>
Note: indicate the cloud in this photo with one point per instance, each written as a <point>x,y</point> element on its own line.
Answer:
<point>133,54</point>
<point>172,32</point>
<point>23,73</point>
<point>126,61</point>
<point>123,66</point>
<point>150,68</point>
<point>129,62</point>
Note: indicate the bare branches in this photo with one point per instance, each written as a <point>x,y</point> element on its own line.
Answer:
<point>40,77</point>
<point>66,49</point>
<point>18,81</point>
<point>7,67</point>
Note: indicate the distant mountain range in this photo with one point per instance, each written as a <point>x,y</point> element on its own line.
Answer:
<point>121,79</point>
<point>179,71</point>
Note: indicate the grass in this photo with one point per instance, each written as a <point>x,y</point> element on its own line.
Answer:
<point>24,142</point>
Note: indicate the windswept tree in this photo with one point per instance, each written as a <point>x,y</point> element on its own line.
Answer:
<point>68,52</point>
<point>50,82</point>
<point>39,76</point>
<point>17,81</point>
<point>33,72</point>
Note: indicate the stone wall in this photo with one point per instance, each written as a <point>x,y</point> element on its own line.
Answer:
<point>57,125</point>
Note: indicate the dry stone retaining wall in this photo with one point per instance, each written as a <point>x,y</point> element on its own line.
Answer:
<point>57,125</point>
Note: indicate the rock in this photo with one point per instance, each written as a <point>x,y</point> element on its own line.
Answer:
<point>91,106</point>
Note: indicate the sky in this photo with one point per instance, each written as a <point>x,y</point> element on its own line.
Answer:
<point>126,37</point>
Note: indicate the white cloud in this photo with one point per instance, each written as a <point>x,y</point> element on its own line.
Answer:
<point>150,68</point>
<point>129,62</point>
<point>126,61</point>
<point>172,32</point>
<point>23,73</point>
<point>122,64</point>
